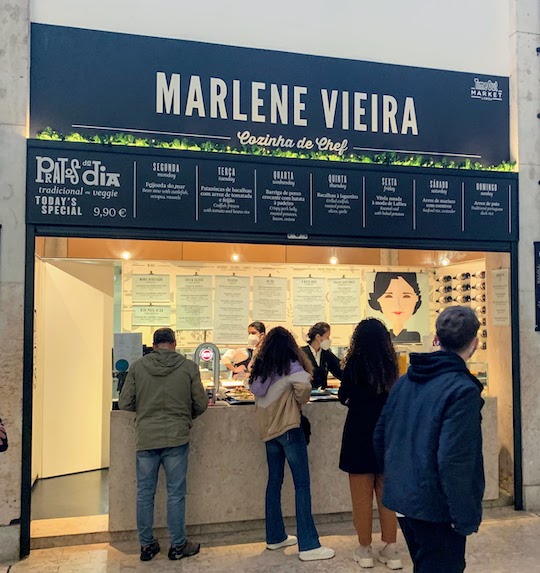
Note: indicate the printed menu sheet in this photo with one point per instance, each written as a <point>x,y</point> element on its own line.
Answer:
<point>150,288</point>
<point>500,297</point>
<point>194,302</point>
<point>159,316</point>
<point>270,298</point>
<point>231,309</point>
<point>344,299</point>
<point>308,301</point>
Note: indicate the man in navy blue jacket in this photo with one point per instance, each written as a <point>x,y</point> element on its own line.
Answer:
<point>429,442</point>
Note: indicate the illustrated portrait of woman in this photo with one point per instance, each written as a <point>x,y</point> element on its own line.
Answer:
<point>397,296</point>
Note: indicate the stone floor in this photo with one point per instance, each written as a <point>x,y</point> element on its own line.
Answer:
<point>508,542</point>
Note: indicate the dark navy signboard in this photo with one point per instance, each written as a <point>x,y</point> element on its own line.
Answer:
<point>98,83</point>
<point>91,185</point>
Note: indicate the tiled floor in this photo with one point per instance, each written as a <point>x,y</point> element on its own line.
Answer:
<point>508,542</point>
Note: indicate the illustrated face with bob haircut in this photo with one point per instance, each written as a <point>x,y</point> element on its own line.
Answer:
<point>397,297</point>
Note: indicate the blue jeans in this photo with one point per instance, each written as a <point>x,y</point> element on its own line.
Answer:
<point>290,446</point>
<point>175,464</point>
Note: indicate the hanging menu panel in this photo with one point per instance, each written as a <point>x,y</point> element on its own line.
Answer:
<point>338,201</point>
<point>389,209</point>
<point>165,191</point>
<point>68,187</point>
<point>438,205</point>
<point>94,186</point>
<point>225,196</point>
<point>283,199</point>
<point>487,208</point>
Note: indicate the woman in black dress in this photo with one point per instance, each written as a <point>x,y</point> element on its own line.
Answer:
<point>370,370</point>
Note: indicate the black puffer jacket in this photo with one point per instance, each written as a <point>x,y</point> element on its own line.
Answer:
<point>429,441</point>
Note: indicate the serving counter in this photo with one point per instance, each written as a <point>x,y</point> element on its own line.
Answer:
<point>227,468</point>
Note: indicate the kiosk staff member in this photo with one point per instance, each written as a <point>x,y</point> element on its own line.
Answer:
<point>238,360</point>
<point>321,357</point>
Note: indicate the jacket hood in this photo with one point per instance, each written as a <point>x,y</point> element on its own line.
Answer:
<point>426,366</point>
<point>162,362</point>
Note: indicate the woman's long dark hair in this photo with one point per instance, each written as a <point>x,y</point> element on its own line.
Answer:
<point>277,351</point>
<point>371,356</point>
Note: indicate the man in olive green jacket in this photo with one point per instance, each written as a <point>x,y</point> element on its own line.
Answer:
<point>164,389</point>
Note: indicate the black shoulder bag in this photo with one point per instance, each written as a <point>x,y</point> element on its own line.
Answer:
<point>305,424</point>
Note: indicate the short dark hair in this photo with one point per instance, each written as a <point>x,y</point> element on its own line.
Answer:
<point>318,328</point>
<point>164,335</point>
<point>457,327</point>
<point>258,326</point>
<point>382,282</point>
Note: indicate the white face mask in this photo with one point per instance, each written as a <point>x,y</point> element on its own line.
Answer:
<point>326,343</point>
<point>252,340</point>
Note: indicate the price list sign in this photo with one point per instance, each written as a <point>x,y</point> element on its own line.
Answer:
<point>389,205</point>
<point>225,195</point>
<point>164,191</point>
<point>438,205</point>
<point>338,201</point>
<point>72,188</point>
<point>87,185</point>
<point>283,199</point>
<point>487,208</point>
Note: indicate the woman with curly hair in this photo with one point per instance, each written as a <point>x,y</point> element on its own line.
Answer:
<point>280,381</point>
<point>370,370</point>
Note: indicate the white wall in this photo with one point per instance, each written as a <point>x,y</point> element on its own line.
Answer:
<point>461,35</point>
<point>77,341</point>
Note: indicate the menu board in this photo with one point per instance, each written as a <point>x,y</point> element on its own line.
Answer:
<point>85,185</point>
<point>128,347</point>
<point>389,204</point>
<point>270,298</point>
<point>283,198</point>
<point>338,201</point>
<point>194,302</point>
<point>163,190</point>
<point>344,300</point>
<point>308,301</point>
<point>159,316</point>
<point>500,297</point>
<point>150,288</point>
<point>438,205</point>
<point>231,309</point>
<point>225,195</point>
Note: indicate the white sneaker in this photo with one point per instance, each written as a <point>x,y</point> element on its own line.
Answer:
<point>363,555</point>
<point>390,557</point>
<point>317,554</point>
<point>290,540</point>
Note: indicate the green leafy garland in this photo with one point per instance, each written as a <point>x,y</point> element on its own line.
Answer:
<point>385,158</point>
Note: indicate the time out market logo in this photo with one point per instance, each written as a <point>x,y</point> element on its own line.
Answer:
<point>487,90</point>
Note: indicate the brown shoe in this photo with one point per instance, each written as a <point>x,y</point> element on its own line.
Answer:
<point>187,550</point>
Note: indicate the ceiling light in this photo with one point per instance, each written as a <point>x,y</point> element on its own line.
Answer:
<point>445,261</point>
<point>126,255</point>
<point>235,257</point>
<point>334,260</point>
